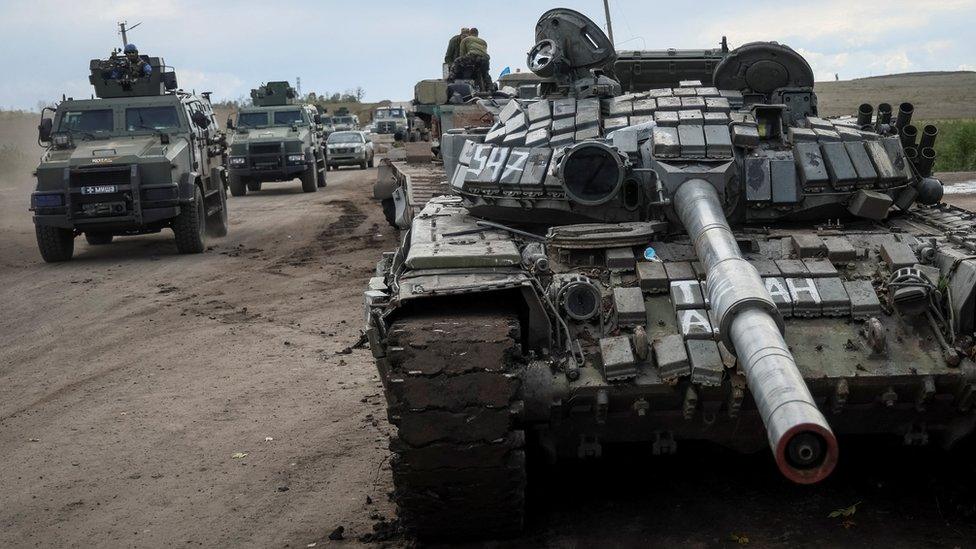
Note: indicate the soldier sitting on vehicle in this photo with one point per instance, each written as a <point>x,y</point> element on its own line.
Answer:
<point>473,62</point>
<point>454,47</point>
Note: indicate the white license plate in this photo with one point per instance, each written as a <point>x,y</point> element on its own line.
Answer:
<point>99,189</point>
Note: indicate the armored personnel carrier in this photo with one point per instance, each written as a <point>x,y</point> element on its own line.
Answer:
<point>140,157</point>
<point>276,139</point>
<point>691,262</point>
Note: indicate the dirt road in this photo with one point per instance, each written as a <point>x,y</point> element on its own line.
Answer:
<point>131,376</point>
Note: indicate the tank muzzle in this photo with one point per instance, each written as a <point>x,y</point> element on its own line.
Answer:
<point>801,440</point>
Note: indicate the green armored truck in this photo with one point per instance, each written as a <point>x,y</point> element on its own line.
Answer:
<point>276,139</point>
<point>139,157</point>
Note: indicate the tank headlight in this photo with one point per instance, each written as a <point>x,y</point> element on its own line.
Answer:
<point>296,158</point>
<point>237,161</point>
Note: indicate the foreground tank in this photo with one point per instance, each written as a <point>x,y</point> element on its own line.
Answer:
<point>706,261</point>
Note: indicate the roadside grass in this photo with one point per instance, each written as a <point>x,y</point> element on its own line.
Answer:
<point>955,146</point>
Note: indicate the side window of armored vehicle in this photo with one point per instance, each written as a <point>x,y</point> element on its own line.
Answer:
<point>151,118</point>
<point>252,119</point>
<point>88,121</point>
<point>287,118</point>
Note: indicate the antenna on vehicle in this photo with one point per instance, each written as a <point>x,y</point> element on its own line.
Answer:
<point>123,30</point>
<point>606,9</point>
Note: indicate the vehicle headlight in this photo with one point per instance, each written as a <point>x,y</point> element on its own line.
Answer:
<point>237,161</point>
<point>296,158</point>
<point>47,200</point>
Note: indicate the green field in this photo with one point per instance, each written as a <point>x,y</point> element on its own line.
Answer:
<point>955,146</point>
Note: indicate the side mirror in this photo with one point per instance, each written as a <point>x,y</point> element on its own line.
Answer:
<point>317,118</point>
<point>230,123</point>
<point>44,130</point>
<point>200,119</point>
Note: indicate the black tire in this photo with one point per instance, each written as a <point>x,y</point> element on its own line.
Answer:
<point>362,165</point>
<point>254,186</point>
<point>372,162</point>
<point>218,223</point>
<point>190,226</point>
<point>237,185</point>
<point>55,244</point>
<point>310,180</point>
<point>458,464</point>
<point>99,239</point>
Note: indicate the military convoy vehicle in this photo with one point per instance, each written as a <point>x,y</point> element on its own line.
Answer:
<point>276,139</point>
<point>691,262</point>
<point>390,121</point>
<point>139,157</point>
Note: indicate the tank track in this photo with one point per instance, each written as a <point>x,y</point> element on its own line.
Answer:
<point>452,384</point>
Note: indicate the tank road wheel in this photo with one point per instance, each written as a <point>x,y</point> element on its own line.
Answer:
<point>98,239</point>
<point>254,186</point>
<point>217,224</point>
<point>55,244</point>
<point>190,226</point>
<point>452,383</point>
<point>237,186</point>
<point>310,179</point>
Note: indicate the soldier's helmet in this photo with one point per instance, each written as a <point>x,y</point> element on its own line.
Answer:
<point>130,49</point>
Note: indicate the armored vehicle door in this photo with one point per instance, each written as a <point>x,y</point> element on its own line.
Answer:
<point>207,156</point>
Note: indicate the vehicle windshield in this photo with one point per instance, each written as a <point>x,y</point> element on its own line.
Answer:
<point>346,137</point>
<point>100,120</point>
<point>390,113</point>
<point>287,118</point>
<point>151,118</point>
<point>343,120</point>
<point>252,119</point>
<point>327,120</point>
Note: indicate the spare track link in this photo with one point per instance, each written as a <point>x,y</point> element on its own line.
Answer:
<point>452,387</point>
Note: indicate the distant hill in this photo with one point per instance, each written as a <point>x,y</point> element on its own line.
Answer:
<point>936,95</point>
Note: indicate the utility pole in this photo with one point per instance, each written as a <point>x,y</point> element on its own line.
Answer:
<point>606,9</point>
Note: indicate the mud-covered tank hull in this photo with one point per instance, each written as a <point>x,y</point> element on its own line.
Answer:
<point>470,358</point>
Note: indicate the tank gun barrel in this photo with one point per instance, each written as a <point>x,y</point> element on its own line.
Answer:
<point>802,442</point>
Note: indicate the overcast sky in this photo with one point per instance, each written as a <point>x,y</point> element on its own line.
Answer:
<point>386,46</point>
